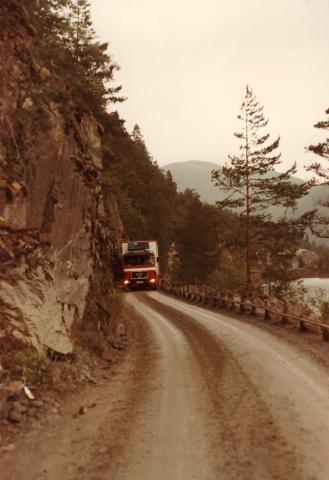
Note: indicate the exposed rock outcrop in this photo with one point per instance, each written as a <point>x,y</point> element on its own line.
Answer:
<point>59,224</point>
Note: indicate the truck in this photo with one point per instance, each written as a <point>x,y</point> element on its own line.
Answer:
<point>140,264</point>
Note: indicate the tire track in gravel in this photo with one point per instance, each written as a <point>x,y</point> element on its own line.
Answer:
<point>173,436</point>
<point>249,444</point>
<point>196,396</point>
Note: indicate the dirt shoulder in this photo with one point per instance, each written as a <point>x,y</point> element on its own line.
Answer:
<point>67,441</point>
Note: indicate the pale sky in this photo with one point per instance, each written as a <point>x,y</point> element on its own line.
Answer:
<point>185,63</point>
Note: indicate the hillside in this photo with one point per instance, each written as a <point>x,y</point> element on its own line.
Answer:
<point>196,174</point>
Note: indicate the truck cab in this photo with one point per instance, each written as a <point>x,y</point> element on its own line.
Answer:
<point>140,264</point>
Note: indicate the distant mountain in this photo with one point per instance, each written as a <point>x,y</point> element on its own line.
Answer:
<point>197,175</point>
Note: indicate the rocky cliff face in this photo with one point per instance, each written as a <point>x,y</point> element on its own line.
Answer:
<point>59,225</point>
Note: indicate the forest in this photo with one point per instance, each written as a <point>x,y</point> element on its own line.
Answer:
<point>234,244</point>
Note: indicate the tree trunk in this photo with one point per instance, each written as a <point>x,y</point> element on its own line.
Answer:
<point>248,199</point>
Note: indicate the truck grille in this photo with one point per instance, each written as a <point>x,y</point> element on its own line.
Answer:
<point>139,275</point>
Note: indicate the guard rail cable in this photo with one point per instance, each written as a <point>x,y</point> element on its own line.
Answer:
<point>218,300</point>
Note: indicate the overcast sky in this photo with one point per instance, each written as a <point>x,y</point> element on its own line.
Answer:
<point>185,63</point>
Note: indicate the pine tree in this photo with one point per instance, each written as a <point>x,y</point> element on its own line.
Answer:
<point>320,225</point>
<point>137,135</point>
<point>72,46</point>
<point>94,64</point>
<point>197,239</point>
<point>280,242</point>
<point>250,180</point>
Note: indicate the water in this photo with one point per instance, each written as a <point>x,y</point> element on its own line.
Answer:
<point>315,286</point>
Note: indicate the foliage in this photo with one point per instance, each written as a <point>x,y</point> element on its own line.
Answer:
<point>28,365</point>
<point>146,195</point>
<point>229,274</point>
<point>320,249</point>
<point>251,182</point>
<point>320,225</point>
<point>196,239</point>
<point>41,119</point>
<point>70,46</point>
<point>149,203</point>
<point>279,244</point>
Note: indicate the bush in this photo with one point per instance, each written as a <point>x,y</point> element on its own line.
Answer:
<point>229,275</point>
<point>28,365</point>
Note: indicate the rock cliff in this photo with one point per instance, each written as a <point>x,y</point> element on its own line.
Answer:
<point>59,224</point>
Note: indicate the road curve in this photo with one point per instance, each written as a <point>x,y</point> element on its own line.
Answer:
<point>273,415</point>
<point>198,395</point>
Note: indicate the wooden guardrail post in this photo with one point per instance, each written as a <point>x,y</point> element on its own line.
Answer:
<point>325,334</point>
<point>284,318</point>
<point>302,327</point>
<point>266,311</point>
<point>226,302</point>
<point>232,306</point>
<point>253,310</point>
<point>242,307</point>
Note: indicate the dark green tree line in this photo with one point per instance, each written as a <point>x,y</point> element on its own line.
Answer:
<point>150,206</point>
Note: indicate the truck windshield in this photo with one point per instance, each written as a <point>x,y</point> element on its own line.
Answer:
<point>138,260</point>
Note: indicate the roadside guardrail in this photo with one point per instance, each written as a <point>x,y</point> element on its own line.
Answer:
<point>242,306</point>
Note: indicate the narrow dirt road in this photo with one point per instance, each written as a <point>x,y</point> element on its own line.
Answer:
<point>199,396</point>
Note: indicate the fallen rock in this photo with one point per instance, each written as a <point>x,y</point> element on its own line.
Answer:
<point>33,412</point>
<point>36,403</point>
<point>14,388</point>
<point>15,417</point>
<point>5,255</point>
<point>90,378</point>
<point>82,411</point>
<point>121,330</point>
<point>7,448</point>
<point>118,346</point>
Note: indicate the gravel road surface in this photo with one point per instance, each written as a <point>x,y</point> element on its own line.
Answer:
<point>198,395</point>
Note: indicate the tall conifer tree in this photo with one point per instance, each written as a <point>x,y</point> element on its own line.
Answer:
<point>320,225</point>
<point>250,179</point>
